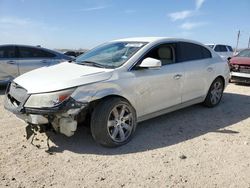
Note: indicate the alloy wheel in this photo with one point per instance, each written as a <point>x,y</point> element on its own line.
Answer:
<point>216,92</point>
<point>120,123</point>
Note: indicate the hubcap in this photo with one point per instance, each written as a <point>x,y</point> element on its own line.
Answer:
<point>120,123</point>
<point>216,92</point>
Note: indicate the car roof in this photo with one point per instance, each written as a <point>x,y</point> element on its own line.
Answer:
<point>24,45</point>
<point>30,46</point>
<point>156,39</point>
<point>217,44</point>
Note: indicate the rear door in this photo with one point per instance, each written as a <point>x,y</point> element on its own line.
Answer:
<point>33,58</point>
<point>196,61</point>
<point>8,63</point>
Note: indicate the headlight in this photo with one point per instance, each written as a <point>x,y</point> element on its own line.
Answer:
<point>48,99</point>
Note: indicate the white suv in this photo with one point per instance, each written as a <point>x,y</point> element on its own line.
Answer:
<point>225,51</point>
<point>119,84</point>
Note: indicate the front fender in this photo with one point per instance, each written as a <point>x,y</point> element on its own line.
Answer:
<point>98,91</point>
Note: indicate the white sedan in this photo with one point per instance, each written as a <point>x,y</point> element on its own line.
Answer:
<point>119,84</point>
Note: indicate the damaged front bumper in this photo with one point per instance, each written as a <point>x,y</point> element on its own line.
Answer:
<point>62,117</point>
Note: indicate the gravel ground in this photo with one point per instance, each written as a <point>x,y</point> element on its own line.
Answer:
<point>192,147</point>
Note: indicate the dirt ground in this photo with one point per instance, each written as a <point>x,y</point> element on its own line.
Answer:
<point>193,147</point>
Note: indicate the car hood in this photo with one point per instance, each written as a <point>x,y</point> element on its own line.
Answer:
<point>240,60</point>
<point>61,76</point>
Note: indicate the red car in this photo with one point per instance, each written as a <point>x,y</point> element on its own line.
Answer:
<point>240,67</point>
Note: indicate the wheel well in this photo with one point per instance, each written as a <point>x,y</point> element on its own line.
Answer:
<point>94,103</point>
<point>223,80</point>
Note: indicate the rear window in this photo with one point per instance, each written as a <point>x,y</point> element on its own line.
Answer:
<point>189,51</point>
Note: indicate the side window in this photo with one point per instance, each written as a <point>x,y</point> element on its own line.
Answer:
<point>165,53</point>
<point>44,53</point>
<point>217,48</point>
<point>27,52</point>
<point>205,53</point>
<point>223,48</point>
<point>189,51</point>
<point>230,48</point>
<point>7,52</point>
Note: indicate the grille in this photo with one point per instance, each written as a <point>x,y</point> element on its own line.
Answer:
<point>240,68</point>
<point>244,69</point>
<point>16,94</point>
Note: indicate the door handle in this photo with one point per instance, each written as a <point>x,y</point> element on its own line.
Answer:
<point>210,69</point>
<point>177,76</point>
<point>11,62</point>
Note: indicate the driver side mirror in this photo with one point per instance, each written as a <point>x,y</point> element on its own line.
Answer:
<point>150,63</point>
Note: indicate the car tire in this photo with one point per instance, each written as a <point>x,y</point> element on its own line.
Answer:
<point>215,93</point>
<point>113,122</point>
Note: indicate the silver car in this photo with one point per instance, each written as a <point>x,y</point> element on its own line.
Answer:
<point>119,84</point>
<point>18,59</point>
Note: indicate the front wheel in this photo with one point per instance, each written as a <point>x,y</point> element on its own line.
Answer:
<point>215,92</point>
<point>113,122</point>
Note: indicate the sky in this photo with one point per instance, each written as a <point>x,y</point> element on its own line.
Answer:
<point>87,23</point>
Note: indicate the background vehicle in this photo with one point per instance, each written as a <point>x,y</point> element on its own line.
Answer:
<point>73,53</point>
<point>224,51</point>
<point>18,59</point>
<point>119,84</point>
<point>240,67</point>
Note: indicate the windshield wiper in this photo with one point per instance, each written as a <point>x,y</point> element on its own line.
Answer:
<point>91,63</point>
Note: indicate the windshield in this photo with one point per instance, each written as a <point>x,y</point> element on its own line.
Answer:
<point>244,53</point>
<point>111,55</point>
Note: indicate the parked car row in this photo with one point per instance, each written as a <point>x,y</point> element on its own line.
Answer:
<point>119,84</point>
<point>73,53</point>
<point>18,59</point>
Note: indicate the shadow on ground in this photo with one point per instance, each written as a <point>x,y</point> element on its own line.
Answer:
<point>166,130</point>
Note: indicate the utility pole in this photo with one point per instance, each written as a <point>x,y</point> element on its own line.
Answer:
<point>238,38</point>
<point>249,43</point>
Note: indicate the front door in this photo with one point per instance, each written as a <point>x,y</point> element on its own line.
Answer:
<point>159,88</point>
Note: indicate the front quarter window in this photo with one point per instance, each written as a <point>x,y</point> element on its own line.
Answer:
<point>111,55</point>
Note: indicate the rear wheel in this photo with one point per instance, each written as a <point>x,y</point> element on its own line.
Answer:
<point>215,92</point>
<point>113,122</point>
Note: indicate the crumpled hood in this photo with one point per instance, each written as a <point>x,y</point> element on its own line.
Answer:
<point>61,76</point>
